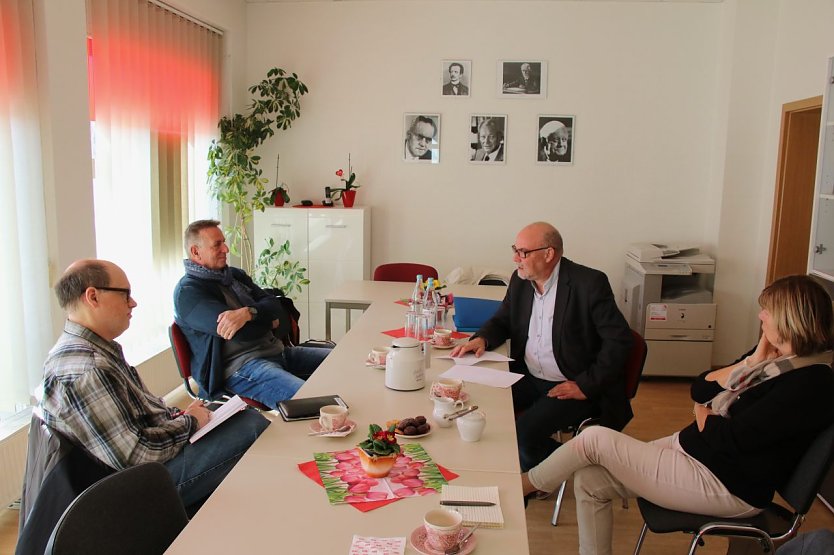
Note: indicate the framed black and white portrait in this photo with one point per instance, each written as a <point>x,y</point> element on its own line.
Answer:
<point>488,138</point>
<point>556,139</point>
<point>455,77</point>
<point>421,138</point>
<point>522,78</point>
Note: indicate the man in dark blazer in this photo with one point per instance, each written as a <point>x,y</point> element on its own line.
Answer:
<point>567,338</point>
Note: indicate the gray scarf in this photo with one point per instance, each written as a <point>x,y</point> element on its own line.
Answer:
<point>224,277</point>
<point>745,377</point>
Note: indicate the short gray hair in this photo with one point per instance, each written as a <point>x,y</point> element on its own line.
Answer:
<point>192,232</point>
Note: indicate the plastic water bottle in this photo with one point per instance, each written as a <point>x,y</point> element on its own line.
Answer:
<point>417,295</point>
<point>430,306</point>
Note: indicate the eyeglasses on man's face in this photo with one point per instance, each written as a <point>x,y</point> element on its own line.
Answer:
<point>126,291</point>
<point>522,253</point>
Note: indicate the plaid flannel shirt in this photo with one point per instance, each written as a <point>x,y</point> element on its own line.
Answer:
<point>93,396</point>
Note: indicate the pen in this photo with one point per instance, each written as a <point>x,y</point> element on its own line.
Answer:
<point>468,503</point>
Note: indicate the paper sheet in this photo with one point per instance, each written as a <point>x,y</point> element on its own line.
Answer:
<point>226,410</point>
<point>485,376</point>
<point>488,517</point>
<point>470,359</point>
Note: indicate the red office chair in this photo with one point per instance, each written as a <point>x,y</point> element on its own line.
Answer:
<point>182,356</point>
<point>633,370</point>
<point>403,271</point>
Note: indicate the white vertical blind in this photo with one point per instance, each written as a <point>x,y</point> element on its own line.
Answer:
<point>25,331</point>
<point>154,88</point>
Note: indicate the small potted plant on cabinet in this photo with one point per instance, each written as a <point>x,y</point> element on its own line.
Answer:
<point>348,192</point>
<point>280,195</point>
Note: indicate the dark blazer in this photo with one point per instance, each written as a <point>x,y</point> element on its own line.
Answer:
<point>591,339</point>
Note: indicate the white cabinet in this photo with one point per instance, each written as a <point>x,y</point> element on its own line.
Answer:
<point>334,244</point>
<point>821,257</point>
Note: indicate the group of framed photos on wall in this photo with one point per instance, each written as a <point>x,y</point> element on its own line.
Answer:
<point>488,132</point>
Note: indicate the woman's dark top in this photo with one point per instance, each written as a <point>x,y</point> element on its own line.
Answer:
<point>771,425</point>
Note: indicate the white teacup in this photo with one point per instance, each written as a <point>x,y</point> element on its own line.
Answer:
<point>471,426</point>
<point>332,417</point>
<point>442,337</point>
<point>378,355</point>
<point>442,528</point>
<point>447,387</point>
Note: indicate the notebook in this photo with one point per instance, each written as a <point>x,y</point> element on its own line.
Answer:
<point>488,517</point>
<point>307,408</point>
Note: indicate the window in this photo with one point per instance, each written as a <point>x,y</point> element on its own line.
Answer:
<point>25,333</point>
<point>154,88</point>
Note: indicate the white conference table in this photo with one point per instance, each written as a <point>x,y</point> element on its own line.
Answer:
<point>267,503</point>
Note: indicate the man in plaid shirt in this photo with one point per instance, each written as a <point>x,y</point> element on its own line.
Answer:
<point>96,399</point>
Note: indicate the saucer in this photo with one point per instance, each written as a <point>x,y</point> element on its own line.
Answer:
<point>415,436</point>
<point>316,428</point>
<point>370,364</point>
<point>454,343</point>
<point>464,396</point>
<point>418,542</point>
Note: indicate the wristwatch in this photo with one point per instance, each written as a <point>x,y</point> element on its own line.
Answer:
<point>253,311</point>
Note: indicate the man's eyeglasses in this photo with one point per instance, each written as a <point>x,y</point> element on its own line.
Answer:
<point>116,289</point>
<point>522,253</point>
<point>421,138</point>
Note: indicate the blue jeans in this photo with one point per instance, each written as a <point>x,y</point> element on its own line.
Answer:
<point>201,466</point>
<point>273,379</point>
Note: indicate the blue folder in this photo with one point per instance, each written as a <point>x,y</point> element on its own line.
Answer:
<point>472,313</point>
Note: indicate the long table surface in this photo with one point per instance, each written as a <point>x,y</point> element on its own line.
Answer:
<point>267,503</point>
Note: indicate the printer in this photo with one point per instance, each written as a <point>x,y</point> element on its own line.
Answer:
<point>666,296</point>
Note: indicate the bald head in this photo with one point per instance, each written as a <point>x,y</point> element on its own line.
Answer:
<point>549,236</point>
<point>96,294</point>
<point>80,275</point>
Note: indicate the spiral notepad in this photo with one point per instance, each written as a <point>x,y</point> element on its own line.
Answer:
<point>488,517</point>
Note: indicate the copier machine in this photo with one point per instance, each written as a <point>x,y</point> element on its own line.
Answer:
<point>667,297</point>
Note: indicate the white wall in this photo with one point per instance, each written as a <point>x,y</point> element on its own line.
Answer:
<point>641,78</point>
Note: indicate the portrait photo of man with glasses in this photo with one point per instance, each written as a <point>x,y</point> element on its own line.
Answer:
<point>422,138</point>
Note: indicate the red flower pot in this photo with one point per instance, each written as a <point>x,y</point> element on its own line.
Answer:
<point>348,197</point>
<point>279,200</point>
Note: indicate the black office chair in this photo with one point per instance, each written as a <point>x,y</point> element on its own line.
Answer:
<point>136,511</point>
<point>775,523</point>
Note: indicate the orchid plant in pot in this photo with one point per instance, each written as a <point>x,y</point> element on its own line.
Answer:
<point>379,452</point>
<point>348,192</point>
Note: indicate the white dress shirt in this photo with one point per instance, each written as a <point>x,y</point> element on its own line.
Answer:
<point>538,354</point>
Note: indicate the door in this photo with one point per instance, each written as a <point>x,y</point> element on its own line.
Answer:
<point>794,197</point>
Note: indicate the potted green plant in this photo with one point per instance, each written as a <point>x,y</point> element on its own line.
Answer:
<point>275,270</point>
<point>234,173</point>
<point>347,193</point>
<point>379,452</point>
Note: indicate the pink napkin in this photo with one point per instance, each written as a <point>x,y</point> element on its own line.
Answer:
<point>367,545</point>
<point>310,470</point>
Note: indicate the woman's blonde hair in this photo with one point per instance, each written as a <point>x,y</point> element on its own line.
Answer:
<point>802,313</point>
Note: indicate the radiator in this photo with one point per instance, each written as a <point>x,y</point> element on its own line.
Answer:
<point>13,460</point>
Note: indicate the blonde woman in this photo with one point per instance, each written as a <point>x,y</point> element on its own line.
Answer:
<point>753,420</point>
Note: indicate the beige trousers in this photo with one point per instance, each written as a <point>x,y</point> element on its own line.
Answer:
<point>608,465</point>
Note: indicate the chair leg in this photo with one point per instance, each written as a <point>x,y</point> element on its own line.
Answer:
<point>640,539</point>
<point>555,519</point>
<point>625,502</point>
